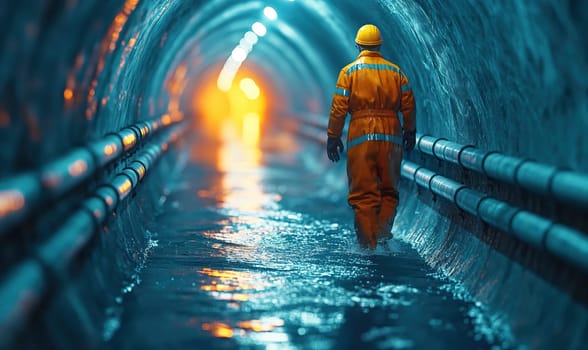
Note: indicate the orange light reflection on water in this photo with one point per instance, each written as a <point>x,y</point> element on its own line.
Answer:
<point>265,325</point>
<point>231,123</point>
<point>218,329</point>
<point>232,285</point>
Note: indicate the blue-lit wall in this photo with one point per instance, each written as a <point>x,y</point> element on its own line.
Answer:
<point>501,75</point>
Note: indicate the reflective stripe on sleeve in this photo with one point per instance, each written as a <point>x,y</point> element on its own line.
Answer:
<point>374,137</point>
<point>342,92</point>
<point>374,66</point>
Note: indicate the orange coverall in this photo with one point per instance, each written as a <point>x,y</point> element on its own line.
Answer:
<point>373,90</point>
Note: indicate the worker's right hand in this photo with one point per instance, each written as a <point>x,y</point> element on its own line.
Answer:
<point>409,139</point>
<point>334,146</point>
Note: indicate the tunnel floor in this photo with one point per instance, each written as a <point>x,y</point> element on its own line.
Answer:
<point>248,252</point>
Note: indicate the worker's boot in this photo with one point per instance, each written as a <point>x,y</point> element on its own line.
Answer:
<point>366,233</point>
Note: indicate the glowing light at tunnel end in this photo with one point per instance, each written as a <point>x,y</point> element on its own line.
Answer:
<point>259,29</point>
<point>242,50</point>
<point>270,13</point>
<point>249,88</point>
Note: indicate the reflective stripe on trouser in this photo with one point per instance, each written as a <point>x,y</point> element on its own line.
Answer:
<point>373,170</point>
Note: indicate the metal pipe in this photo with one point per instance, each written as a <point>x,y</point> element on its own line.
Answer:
<point>22,194</point>
<point>129,137</point>
<point>562,241</point>
<point>62,175</point>
<point>109,196</point>
<point>18,197</point>
<point>97,207</point>
<point>27,283</point>
<point>469,200</point>
<point>106,150</point>
<point>565,185</point>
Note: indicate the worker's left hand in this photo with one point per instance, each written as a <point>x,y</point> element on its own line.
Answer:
<point>409,139</point>
<point>334,146</point>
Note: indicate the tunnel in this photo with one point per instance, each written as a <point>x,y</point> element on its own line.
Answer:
<point>164,182</point>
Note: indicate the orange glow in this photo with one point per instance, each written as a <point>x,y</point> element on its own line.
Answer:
<point>166,120</point>
<point>77,168</point>
<point>68,94</point>
<point>231,126</point>
<point>10,201</point>
<point>218,329</point>
<point>218,288</point>
<point>141,172</point>
<point>234,122</point>
<point>109,150</point>
<point>155,125</point>
<point>264,325</point>
<point>125,187</point>
<point>129,140</point>
<point>249,88</point>
<point>231,285</point>
<point>241,108</point>
<point>251,129</point>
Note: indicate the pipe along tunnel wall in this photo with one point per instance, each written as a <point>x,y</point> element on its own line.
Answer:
<point>501,76</point>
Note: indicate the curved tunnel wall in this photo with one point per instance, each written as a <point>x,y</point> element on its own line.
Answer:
<point>502,76</point>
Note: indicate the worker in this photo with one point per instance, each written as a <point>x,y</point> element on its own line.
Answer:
<point>373,90</point>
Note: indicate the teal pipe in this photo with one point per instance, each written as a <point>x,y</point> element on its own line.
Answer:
<point>564,242</point>
<point>27,283</point>
<point>564,185</point>
<point>21,194</point>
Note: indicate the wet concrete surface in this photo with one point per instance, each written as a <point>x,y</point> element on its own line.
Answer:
<point>251,252</point>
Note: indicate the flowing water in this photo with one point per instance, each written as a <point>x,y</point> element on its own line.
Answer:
<point>249,252</point>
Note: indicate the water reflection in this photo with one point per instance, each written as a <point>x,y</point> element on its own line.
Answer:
<point>241,189</point>
<point>258,331</point>
<point>218,329</point>
<point>232,285</point>
<point>237,287</point>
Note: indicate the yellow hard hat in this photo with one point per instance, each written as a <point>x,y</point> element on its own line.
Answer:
<point>368,35</point>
